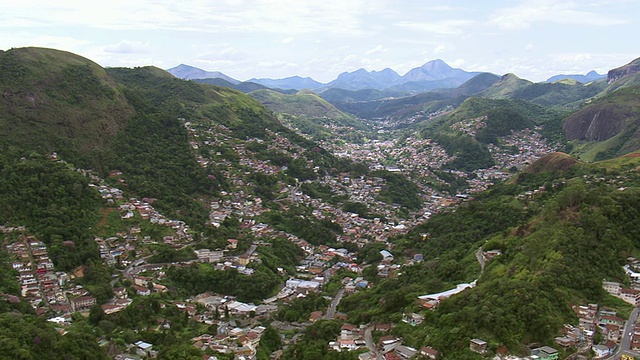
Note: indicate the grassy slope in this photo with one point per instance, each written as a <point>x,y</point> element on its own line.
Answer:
<point>58,101</point>
<point>303,104</point>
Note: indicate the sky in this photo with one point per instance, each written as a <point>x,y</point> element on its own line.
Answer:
<point>534,39</point>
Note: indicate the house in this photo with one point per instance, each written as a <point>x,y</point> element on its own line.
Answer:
<point>388,343</point>
<point>600,350</point>
<point>413,319</point>
<point>145,349</point>
<point>612,288</point>
<point>612,332</point>
<point>608,319</point>
<point>478,346</point>
<point>82,303</point>
<point>386,255</point>
<point>545,353</point>
<point>141,290</point>
<point>405,352</point>
<point>429,352</point>
<point>632,296</point>
<point>315,316</point>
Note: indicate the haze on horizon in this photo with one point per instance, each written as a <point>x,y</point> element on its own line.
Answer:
<point>534,39</point>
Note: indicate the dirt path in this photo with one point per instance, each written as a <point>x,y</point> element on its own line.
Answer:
<point>104,213</point>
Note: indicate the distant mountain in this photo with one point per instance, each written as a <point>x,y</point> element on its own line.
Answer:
<point>432,70</point>
<point>363,79</point>
<point>343,95</point>
<point>187,72</point>
<point>566,93</point>
<point>591,76</point>
<point>508,84</point>
<point>244,86</point>
<point>474,85</point>
<point>302,103</point>
<point>292,82</point>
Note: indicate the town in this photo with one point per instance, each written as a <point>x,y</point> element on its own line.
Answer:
<point>238,325</point>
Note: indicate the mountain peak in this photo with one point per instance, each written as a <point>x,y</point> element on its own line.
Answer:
<point>188,72</point>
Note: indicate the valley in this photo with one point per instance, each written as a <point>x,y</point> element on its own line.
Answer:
<point>190,220</point>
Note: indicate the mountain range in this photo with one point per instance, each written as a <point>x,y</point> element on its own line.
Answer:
<point>432,75</point>
<point>590,76</point>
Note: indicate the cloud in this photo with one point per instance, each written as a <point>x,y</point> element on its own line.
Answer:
<point>562,12</point>
<point>276,64</point>
<point>439,49</point>
<point>288,40</point>
<point>457,63</point>
<point>442,27</point>
<point>528,47</point>
<point>21,39</point>
<point>376,50</point>
<point>128,47</point>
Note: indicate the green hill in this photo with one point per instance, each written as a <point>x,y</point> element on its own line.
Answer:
<point>402,107</point>
<point>131,120</point>
<point>303,103</point>
<point>560,94</point>
<point>307,112</point>
<point>57,101</point>
<point>506,87</point>
<point>491,119</point>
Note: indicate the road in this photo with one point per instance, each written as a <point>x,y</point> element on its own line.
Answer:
<point>331,311</point>
<point>626,338</point>
<point>371,345</point>
<point>480,257</point>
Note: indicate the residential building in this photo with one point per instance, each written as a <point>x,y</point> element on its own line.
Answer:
<point>545,353</point>
<point>478,346</point>
<point>82,303</point>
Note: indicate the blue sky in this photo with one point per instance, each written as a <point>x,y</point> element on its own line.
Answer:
<point>534,39</point>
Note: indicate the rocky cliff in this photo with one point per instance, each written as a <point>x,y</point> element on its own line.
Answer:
<point>623,71</point>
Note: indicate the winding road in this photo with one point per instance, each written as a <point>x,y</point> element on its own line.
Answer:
<point>626,336</point>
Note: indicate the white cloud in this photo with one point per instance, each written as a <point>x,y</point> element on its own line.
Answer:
<point>441,27</point>
<point>528,47</point>
<point>564,12</point>
<point>21,39</point>
<point>439,49</point>
<point>288,40</point>
<point>376,50</point>
<point>276,64</point>
<point>457,63</point>
<point>128,47</point>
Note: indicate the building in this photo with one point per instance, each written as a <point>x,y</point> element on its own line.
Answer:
<point>632,296</point>
<point>478,346</point>
<point>82,303</point>
<point>545,353</point>
<point>612,288</point>
<point>429,352</point>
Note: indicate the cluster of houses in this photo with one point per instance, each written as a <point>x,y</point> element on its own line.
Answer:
<point>388,347</point>
<point>480,346</point>
<point>47,291</point>
<point>241,342</point>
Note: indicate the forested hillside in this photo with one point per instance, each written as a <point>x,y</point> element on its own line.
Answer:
<point>556,247</point>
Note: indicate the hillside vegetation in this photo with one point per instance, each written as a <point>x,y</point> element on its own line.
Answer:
<point>556,249</point>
